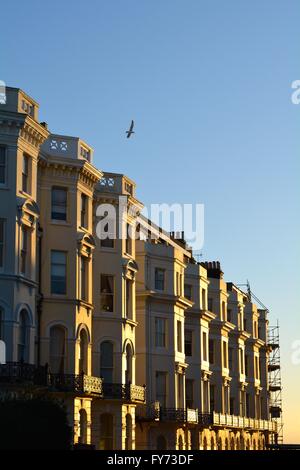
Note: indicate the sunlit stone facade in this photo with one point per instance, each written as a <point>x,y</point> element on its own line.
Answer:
<point>148,348</point>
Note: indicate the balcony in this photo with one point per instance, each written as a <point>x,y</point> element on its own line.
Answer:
<point>148,412</point>
<point>75,383</point>
<point>191,415</point>
<point>125,392</point>
<point>21,373</point>
<point>219,419</point>
<point>179,415</point>
<point>205,419</point>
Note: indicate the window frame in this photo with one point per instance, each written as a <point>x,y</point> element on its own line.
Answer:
<point>189,287</point>
<point>211,351</point>
<point>84,200</point>
<point>3,149</point>
<point>84,278</point>
<point>189,383</point>
<point>157,281</point>
<point>186,343</point>
<point>204,346</point>
<point>109,367</point>
<point>65,205</point>
<point>2,242</point>
<point>179,335</point>
<point>160,333</point>
<point>164,374</point>
<point>24,250</point>
<point>109,294</point>
<point>26,170</point>
<point>64,293</point>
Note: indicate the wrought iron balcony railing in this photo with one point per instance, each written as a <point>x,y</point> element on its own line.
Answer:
<point>181,415</point>
<point>22,373</point>
<point>148,412</point>
<point>205,419</point>
<point>172,414</point>
<point>29,374</point>
<point>75,383</point>
<point>126,392</point>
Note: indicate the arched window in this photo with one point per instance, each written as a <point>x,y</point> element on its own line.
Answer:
<point>107,361</point>
<point>238,444</point>
<point>57,349</point>
<point>106,432</point>
<point>180,443</point>
<point>23,347</point>
<point>226,444</point>
<point>128,441</point>
<point>82,427</point>
<point>161,443</point>
<point>204,443</point>
<point>232,444</point>
<point>212,443</point>
<point>248,444</point>
<point>128,371</point>
<point>83,352</point>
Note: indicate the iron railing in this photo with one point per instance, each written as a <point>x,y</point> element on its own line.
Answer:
<point>20,372</point>
<point>148,412</point>
<point>23,374</point>
<point>126,392</point>
<point>182,415</point>
<point>75,383</point>
<point>205,419</point>
<point>220,419</point>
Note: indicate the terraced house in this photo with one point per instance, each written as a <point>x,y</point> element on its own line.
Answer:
<point>148,348</point>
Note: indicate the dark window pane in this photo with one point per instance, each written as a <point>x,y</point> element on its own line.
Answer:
<point>59,204</point>
<point>58,272</point>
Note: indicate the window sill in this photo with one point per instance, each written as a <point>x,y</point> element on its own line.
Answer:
<point>60,222</point>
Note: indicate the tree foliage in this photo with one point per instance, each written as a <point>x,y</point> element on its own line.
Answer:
<point>33,423</point>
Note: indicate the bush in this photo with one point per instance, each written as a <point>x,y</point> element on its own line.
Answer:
<point>33,423</point>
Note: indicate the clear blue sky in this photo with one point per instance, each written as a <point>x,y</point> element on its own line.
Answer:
<point>208,84</point>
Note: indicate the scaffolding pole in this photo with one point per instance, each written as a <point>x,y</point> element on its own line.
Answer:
<point>275,386</point>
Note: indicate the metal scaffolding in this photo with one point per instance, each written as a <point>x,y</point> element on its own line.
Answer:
<point>274,371</point>
<point>275,387</point>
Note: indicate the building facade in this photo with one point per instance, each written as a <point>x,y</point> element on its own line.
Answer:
<point>148,348</point>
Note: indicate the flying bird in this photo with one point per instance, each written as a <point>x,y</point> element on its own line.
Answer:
<point>131,131</point>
